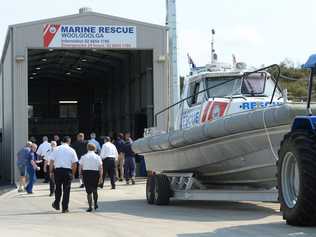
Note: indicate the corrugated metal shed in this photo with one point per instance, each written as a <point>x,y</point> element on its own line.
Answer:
<point>14,75</point>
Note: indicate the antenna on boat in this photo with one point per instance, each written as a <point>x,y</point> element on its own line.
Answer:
<point>213,54</point>
<point>234,61</point>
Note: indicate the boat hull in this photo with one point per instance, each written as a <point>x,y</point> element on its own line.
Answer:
<point>240,159</point>
<point>239,150</point>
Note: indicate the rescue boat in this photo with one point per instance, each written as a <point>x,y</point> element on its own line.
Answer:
<point>228,129</point>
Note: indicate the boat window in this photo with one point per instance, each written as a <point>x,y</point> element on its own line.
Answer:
<point>194,89</point>
<point>223,86</point>
<point>270,84</point>
<point>254,84</point>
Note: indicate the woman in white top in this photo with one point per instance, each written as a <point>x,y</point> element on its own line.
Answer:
<point>91,170</point>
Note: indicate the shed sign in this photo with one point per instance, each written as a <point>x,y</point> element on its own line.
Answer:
<point>89,36</point>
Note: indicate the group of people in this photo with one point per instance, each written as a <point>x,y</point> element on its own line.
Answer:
<point>86,160</point>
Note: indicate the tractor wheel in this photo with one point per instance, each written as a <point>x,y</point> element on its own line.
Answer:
<point>150,189</point>
<point>162,190</point>
<point>297,178</point>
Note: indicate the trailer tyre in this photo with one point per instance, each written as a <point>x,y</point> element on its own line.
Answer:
<point>297,178</point>
<point>150,189</point>
<point>162,190</point>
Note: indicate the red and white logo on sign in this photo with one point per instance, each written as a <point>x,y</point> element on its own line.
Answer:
<point>49,32</point>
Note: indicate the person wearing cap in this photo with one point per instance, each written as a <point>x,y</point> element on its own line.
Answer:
<point>63,166</point>
<point>21,162</point>
<point>91,170</point>
<point>109,156</point>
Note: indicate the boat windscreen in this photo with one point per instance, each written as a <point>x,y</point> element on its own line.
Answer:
<point>254,84</point>
<point>223,86</point>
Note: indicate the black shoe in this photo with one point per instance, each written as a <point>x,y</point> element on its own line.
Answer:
<point>96,206</point>
<point>100,186</point>
<point>89,209</point>
<point>65,211</point>
<point>51,194</point>
<point>55,206</point>
<point>121,180</point>
<point>81,186</point>
<point>133,181</point>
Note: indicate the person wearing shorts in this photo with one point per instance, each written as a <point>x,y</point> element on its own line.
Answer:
<point>21,162</point>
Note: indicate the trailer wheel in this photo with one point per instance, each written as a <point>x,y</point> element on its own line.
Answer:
<point>297,178</point>
<point>150,189</point>
<point>162,190</point>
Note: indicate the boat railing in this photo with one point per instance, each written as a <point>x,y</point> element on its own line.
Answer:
<point>220,84</point>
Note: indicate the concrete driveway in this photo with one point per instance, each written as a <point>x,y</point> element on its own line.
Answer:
<point>124,212</point>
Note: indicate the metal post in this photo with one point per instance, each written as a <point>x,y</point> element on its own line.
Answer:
<point>309,95</point>
<point>212,47</point>
<point>174,79</point>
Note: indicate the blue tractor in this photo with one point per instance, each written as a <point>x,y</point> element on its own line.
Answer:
<point>297,165</point>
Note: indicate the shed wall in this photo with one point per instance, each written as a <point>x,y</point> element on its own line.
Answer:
<point>8,158</point>
<point>15,75</point>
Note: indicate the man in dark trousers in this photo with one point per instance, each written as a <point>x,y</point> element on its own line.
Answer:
<point>63,163</point>
<point>80,147</point>
<point>129,160</point>
<point>109,156</point>
<point>119,143</point>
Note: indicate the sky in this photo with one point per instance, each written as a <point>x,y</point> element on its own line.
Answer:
<point>256,32</point>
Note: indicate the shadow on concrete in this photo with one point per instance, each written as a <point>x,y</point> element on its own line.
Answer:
<point>40,213</point>
<point>189,210</point>
<point>34,195</point>
<point>75,186</point>
<point>4,188</point>
<point>258,230</point>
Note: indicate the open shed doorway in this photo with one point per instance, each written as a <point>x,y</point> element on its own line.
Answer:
<point>101,91</point>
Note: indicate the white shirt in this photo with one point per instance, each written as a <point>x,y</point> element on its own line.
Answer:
<point>108,150</point>
<point>48,154</point>
<point>90,161</point>
<point>43,148</point>
<point>64,156</point>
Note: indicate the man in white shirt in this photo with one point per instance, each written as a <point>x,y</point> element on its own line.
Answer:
<point>41,152</point>
<point>63,162</point>
<point>43,148</point>
<point>109,156</point>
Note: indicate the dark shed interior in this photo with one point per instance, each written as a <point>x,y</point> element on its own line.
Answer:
<point>102,91</point>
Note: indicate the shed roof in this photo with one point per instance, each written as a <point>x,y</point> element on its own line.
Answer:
<point>79,15</point>
<point>73,16</point>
